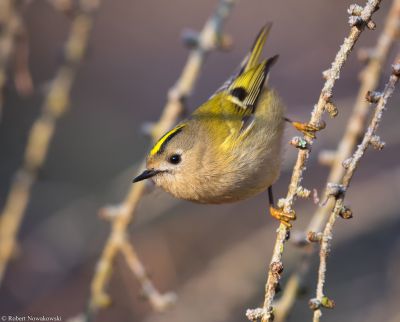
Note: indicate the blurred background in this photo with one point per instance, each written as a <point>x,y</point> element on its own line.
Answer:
<point>213,257</point>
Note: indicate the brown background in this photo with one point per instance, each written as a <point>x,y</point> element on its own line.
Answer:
<point>214,257</point>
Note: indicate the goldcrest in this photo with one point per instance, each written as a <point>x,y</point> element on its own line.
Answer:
<point>229,149</point>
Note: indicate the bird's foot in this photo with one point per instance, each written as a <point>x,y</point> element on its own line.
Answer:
<point>284,217</point>
<point>307,128</point>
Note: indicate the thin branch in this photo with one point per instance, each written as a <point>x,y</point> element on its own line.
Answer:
<point>22,74</point>
<point>210,38</point>
<point>55,105</point>
<point>370,139</point>
<point>10,23</point>
<point>358,21</point>
<point>158,301</point>
<point>369,80</point>
<point>64,6</point>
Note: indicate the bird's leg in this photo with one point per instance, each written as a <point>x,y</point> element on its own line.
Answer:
<point>284,217</point>
<point>306,128</point>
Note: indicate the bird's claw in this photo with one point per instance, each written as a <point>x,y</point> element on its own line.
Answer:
<point>284,217</point>
<point>308,129</point>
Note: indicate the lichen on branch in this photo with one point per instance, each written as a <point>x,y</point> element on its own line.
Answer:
<point>340,209</point>
<point>359,20</point>
<point>375,59</point>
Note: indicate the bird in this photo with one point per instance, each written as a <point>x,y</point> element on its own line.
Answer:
<point>230,147</point>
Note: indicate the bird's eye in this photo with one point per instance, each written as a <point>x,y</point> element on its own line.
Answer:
<point>175,159</point>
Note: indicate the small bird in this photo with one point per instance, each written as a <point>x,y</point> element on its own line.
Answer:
<point>230,148</point>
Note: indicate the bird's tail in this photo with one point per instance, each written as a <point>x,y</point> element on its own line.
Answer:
<point>253,57</point>
<point>245,85</point>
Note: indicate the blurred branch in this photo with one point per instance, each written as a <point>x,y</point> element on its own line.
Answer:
<point>22,75</point>
<point>55,105</point>
<point>66,7</point>
<point>209,39</point>
<point>351,164</point>
<point>9,26</point>
<point>63,5</point>
<point>369,80</point>
<point>359,19</point>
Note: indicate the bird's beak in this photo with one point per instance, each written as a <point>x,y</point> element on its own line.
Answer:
<point>146,174</point>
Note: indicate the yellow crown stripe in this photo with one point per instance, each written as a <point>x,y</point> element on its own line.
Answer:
<point>158,146</point>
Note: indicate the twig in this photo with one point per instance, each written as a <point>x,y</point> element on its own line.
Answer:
<point>14,45</point>
<point>55,104</point>
<point>66,7</point>
<point>354,129</point>
<point>369,81</point>
<point>339,209</point>
<point>22,74</point>
<point>210,38</point>
<point>63,5</point>
<point>9,26</point>
<point>358,21</point>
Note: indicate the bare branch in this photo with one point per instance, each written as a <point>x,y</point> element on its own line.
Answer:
<point>209,39</point>
<point>369,81</point>
<point>22,74</point>
<point>358,25</point>
<point>55,105</point>
<point>10,23</point>
<point>339,208</point>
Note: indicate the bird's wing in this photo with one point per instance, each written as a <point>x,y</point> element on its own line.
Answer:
<point>235,102</point>
<point>250,60</point>
<point>245,90</point>
<point>230,114</point>
<point>244,87</point>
